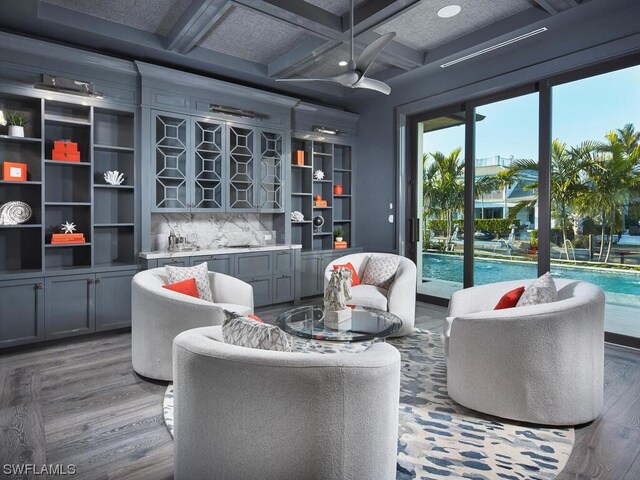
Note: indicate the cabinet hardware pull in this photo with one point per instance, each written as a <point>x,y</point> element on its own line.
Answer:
<point>39,286</point>
<point>98,280</point>
<point>90,281</point>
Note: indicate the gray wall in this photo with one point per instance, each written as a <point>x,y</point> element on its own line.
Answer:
<point>596,31</point>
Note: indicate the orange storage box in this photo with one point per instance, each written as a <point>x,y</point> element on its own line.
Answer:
<point>65,151</point>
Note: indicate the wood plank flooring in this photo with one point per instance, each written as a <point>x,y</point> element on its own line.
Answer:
<point>79,402</point>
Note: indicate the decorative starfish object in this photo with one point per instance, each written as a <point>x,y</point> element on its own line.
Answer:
<point>318,175</point>
<point>68,227</point>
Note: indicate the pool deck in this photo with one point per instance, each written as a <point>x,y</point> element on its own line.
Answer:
<point>624,320</point>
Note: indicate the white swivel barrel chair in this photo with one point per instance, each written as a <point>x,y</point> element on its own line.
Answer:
<point>541,364</point>
<point>251,414</point>
<point>399,299</point>
<point>159,314</point>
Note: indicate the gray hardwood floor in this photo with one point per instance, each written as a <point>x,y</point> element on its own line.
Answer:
<point>78,402</point>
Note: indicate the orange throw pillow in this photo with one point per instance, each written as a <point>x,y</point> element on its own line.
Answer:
<point>510,299</point>
<point>186,287</point>
<point>255,317</point>
<point>355,280</point>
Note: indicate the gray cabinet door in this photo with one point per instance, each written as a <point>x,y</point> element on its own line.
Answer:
<point>21,312</point>
<point>170,162</point>
<point>309,275</point>
<point>283,288</point>
<point>69,305</point>
<point>254,264</point>
<point>217,263</point>
<point>284,261</point>
<point>174,262</point>
<point>113,299</point>
<point>262,289</point>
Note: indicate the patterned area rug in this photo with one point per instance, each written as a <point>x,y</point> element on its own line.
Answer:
<point>439,438</point>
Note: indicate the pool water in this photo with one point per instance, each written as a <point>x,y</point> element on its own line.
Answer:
<point>449,267</point>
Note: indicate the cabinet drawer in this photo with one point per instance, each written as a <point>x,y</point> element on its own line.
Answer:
<point>216,263</point>
<point>253,264</point>
<point>262,289</point>
<point>283,261</point>
<point>283,286</point>
<point>174,262</point>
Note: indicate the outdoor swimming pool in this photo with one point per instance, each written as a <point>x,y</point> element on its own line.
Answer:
<point>449,267</point>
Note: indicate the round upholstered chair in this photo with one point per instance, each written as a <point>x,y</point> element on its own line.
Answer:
<point>399,298</point>
<point>159,314</point>
<point>251,414</point>
<point>542,363</point>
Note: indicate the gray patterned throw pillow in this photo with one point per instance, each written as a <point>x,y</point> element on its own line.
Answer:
<point>245,332</point>
<point>381,270</point>
<point>199,272</point>
<point>541,290</point>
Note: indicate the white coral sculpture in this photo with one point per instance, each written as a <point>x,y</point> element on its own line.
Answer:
<point>297,216</point>
<point>113,177</point>
<point>318,175</point>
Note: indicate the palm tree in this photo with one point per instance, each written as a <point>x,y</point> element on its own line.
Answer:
<point>567,182</point>
<point>443,188</point>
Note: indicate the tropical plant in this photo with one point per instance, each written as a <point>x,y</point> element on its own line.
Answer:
<point>16,119</point>
<point>443,188</point>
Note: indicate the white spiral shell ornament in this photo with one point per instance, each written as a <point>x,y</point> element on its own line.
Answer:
<point>14,213</point>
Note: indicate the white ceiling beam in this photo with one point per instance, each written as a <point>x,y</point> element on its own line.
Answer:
<point>194,24</point>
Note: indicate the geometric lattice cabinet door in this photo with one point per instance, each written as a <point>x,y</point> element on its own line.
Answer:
<point>208,166</point>
<point>170,159</point>
<point>242,169</point>
<point>271,172</point>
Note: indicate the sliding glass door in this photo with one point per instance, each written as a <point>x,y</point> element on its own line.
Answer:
<point>546,178</point>
<point>506,190</point>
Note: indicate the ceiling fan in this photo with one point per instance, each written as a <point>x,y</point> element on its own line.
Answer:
<point>354,77</point>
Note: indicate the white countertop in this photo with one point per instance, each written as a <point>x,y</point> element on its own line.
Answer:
<point>215,251</point>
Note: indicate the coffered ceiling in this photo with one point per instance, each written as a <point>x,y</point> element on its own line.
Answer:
<point>271,39</point>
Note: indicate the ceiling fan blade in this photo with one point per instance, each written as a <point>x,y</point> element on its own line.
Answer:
<point>371,84</point>
<point>346,79</point>
<point>370,53</point>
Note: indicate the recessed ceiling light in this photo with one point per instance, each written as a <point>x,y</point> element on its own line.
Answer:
<point>449,11</point>
<point>343,63</point>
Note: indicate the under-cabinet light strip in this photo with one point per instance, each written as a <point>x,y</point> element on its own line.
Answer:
<point>494,47</point>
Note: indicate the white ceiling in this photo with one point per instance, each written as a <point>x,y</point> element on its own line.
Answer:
<point>295,39</point>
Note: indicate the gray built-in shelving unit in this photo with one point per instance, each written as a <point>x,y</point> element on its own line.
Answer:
<point>335,161</point>
<point>60,191</point>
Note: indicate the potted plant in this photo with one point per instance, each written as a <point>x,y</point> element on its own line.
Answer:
<point>338,234</point>
<point>16,122</point>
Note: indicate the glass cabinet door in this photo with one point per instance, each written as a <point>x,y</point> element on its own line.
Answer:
<point>271,172</point>
<point>170,161</point>
<point>208,166</point>
<point>242,169</point>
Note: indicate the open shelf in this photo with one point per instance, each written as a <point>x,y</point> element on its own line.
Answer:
<point>7,138</point>
<point>66,120</point>
<point>113,148</point>
<point>70,245</point>
<point>113,130</point>
<point>20,248</point>
<point>62,163</point>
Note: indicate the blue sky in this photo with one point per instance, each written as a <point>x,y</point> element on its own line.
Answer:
<point>582,110</point>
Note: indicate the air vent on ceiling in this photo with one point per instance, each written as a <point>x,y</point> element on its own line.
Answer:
<point>494,47</point>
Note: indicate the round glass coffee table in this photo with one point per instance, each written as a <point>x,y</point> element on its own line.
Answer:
<point>365,324</point>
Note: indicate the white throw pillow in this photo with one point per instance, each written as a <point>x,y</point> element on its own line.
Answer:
<point>245,332</point>
<point>381,270</point>
<point>199,272</point>
<point>541,290</point>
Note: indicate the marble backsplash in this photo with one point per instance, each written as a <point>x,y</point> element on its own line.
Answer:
<point>213,230</point>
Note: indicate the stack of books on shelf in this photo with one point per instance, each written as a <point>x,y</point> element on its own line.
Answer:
<point>339,245</point>
<point>321,203</point>
<point>67,238</point>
